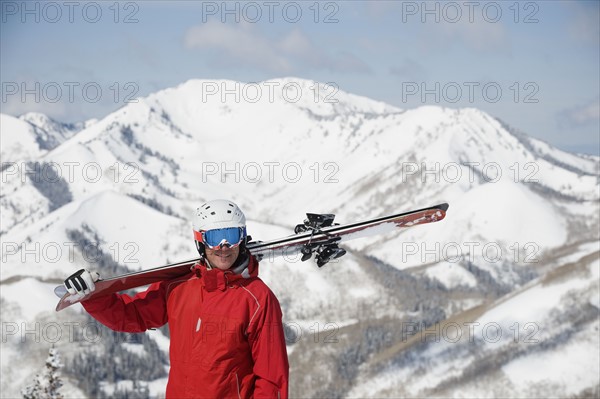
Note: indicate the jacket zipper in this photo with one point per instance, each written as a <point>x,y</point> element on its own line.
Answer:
<point>237,382</point>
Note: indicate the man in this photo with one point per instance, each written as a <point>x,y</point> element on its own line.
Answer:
<point>225,323</point>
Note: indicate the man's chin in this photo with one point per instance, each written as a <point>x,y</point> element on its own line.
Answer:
<point>225,266</point>
<point>222,263</point>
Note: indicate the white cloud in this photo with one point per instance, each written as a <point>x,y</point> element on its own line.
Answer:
<point>244,45</point>
<point>479,35</point>
<point>409,70</point>
<point>583,115</point>
<point>238,43</point>
<point>480,27</point>
<point>448,31</point>
<point>296,43</point>
<point>67,101</point>
<point>16,107</point>
<point>587,114</point>
<point>584,23</point>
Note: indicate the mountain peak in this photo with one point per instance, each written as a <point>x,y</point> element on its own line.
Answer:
<point>322,99</point>
<point>51,132</point>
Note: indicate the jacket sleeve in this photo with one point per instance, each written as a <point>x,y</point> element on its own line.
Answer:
<point>120,312</point>
<point>269,353</point>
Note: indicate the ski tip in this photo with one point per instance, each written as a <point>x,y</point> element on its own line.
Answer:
<point>66,299</point>
<point>444,207</point>
<point>60,291</point>
<point>61,305</point>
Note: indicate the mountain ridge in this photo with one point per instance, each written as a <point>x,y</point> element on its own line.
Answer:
<point>137,173</point>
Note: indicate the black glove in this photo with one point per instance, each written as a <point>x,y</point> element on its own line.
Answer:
<point>81,282</point>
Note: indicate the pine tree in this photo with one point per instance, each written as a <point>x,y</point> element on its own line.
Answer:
<point>46,385</point>
<point>34,391</point>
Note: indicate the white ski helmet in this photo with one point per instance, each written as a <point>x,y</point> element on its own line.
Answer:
<point>218,214</point>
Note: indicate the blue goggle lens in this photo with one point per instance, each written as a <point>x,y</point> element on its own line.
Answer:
<point>231,236</point>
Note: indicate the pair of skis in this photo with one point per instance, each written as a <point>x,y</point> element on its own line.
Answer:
<point>317,236</point>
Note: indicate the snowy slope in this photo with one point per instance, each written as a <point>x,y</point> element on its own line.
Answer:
<point>531,355</point>
<point>18,140</point>
<point>120,191</point>
<point>33,134</point>
<point>54,132</point>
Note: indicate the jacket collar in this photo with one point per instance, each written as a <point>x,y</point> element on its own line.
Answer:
<point>216,279</point>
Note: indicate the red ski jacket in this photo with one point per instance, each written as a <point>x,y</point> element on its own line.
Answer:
<point>226,332</point>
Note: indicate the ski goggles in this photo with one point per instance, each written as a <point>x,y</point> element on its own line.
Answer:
<point>230,236</point>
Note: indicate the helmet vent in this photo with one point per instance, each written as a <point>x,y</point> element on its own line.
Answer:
<point>218,214</point>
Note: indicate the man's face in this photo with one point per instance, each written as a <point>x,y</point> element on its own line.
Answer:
<point>222,258</point>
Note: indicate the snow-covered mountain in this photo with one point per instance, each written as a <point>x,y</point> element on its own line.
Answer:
<point>32,135</point>
<point>519,244</point>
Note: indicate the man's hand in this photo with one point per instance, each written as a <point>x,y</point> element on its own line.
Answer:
<point>81,282</point>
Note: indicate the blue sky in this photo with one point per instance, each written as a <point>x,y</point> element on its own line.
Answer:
<point>535,65</point>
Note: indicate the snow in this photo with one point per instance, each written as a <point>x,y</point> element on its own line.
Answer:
<point>318,283</point>
<point>575,365</point>
<point>542,299</point>
<point>384,380</point>
<point>32,296</point>
<point>126,223</point>
<point>486,208</point>
<point>157,388</point>
<point>587,164</point>
<point>362,292</point>
<point>476,225</point>
<point>581,250</point>
<point>567,368</point>
<point>161,340</point>
<point>137,349</point>
<point>451,275</point>
<point>17,142</point>
<point>19,376</point>
<point>355,157</point>
<point>110,388</point>
<point>18,371</point>
<point>121,224</point>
